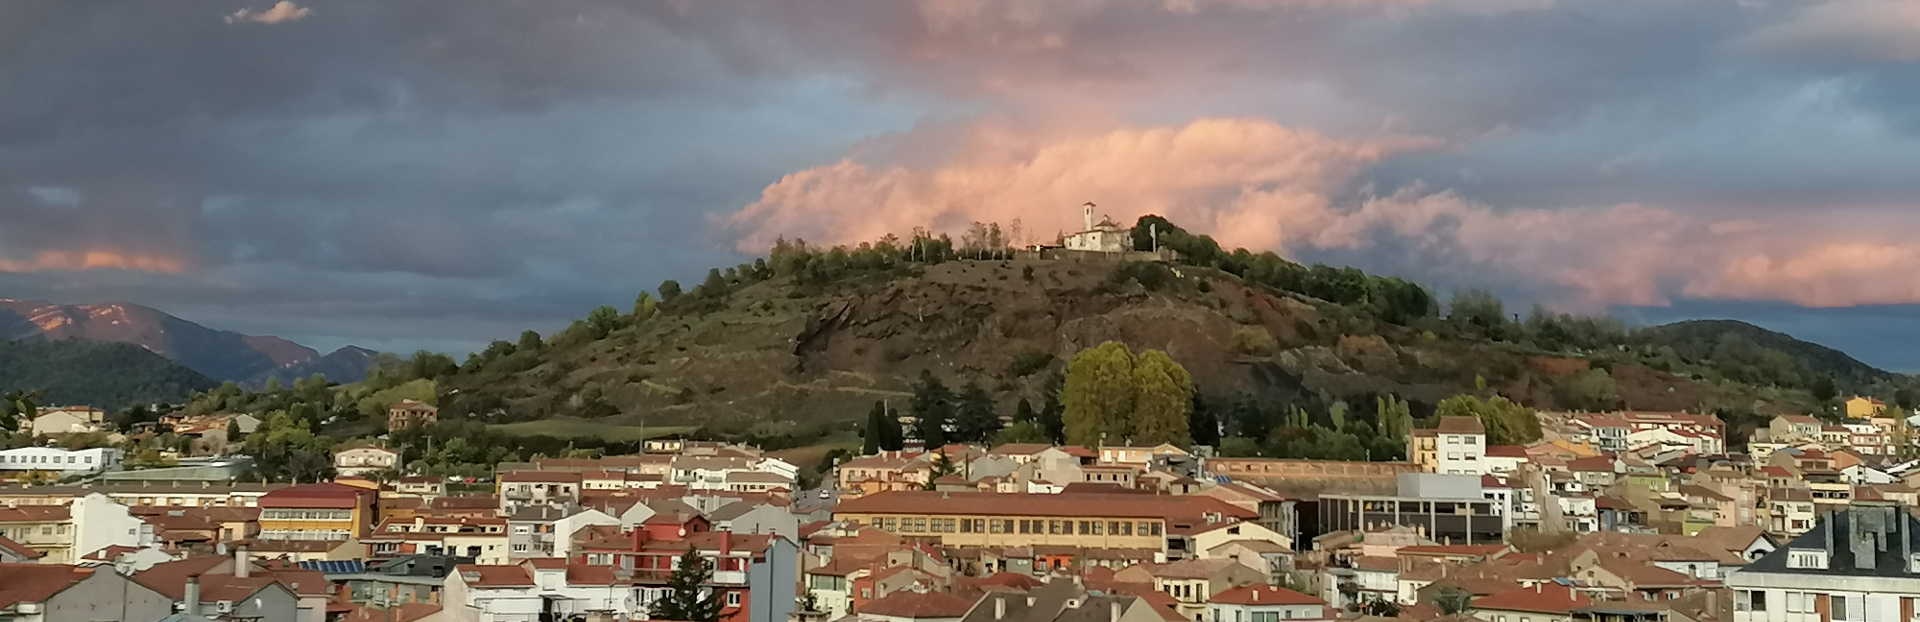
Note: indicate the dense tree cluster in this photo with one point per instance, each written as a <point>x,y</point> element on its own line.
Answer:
<point>1506,422</point>
<point>105,374</point>
<point>1390,299</point>
<point>1113,396</point>
<point>1312,428</point>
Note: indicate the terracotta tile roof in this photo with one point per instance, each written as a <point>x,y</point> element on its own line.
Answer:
<point>1506,451</point>
<point>1376,563</point>
<point>1461,425</point>
<point>1264,595</point>
<point>1476,550</point>
<point>467,502</point>
<point>20,550</point>
<point>1257,546</point>
<point>508,575</point>
<point>1645,576</point>
<point>1015,504</point>
<point>1189,568</point>
<point>317,495</point>
<point>35,583</point>
<point>915,605</point>
<point>35,514</point>
<point>1019,449</point>
<point>1545,597</point>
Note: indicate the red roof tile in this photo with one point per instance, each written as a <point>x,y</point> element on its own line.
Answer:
<point>34,583</point>
<point>907,604</point>
<point>1546,597</point>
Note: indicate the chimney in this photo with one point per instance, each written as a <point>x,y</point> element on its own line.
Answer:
<point>1115,610</point>
<point>242,564</point>
<point>999,607</point>
<point>191,606</point>
<point>726,543</point>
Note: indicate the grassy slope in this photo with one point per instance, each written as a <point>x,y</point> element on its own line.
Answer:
<point>776,352</point>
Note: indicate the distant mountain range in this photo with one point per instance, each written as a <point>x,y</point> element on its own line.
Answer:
<point>221,355</point>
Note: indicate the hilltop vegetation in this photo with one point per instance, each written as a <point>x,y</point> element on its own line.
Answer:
<point>801,345</point>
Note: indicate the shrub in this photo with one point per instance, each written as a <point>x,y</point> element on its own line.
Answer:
<point>1028,362</point>
<point>1252,341</point>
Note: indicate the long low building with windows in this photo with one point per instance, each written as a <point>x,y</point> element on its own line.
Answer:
<point>1089,520</point>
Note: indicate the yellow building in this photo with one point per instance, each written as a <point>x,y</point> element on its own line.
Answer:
<point>1423,448</point>
<point>322,511</point>
<point>1861,407</point>
<point>47,529</point>
<point>1092,520</point>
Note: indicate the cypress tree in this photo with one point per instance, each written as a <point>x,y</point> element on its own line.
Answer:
<point>874,436</point>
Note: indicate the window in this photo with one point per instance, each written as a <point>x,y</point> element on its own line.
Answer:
<point>733,599</point>
<point>1085,529</point>
<point>1799,602</point>
<point>1807,559</point>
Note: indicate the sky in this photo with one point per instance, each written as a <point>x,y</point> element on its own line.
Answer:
<point>403,175</point>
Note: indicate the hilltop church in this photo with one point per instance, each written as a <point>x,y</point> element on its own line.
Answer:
<point>1104,236</point>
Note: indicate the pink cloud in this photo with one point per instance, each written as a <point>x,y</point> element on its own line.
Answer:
<point>1881,30</point>
<point>1253,183</point>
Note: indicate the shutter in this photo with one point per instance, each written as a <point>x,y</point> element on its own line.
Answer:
<point>1883,608</point>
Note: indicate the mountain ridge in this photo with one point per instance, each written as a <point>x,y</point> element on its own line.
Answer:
<point>217,354</point>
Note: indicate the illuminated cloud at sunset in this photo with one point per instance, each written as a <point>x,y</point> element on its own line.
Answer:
<point>46,261</point>
<point>359,172</point>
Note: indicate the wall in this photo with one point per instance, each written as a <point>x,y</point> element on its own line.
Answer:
<point>99,522</point>
<point>107,596</point>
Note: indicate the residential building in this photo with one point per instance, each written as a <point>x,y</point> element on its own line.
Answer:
<point>1449,509</point>
<point>62,593</point>
<point>547,531</point>
<point>1859,564</point>
<point>318,511</point>
<point>69,420</point>
<point>1265,603</point>
<point>1278,513</point>
<point>756,581</point>
<point>229,587</point>
<point>1086,520</point>
<point>364,460</point>
<point>146,494</point>
<point>1140,456</point>
<point>63,462</point>
<point>410,413</point>
<point>885,471</point>
<point>519,488</point>
<point>1061,600</point>
<point>1193,582</point>
<point>67,533</point>
<point>1457,446</point>
<point>1862,407</point>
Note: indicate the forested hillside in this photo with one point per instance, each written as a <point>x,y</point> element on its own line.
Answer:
<point>98,373</point>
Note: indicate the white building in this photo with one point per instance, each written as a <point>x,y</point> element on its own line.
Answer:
<point>1104,236</point>
<point>364,460</point>
<point>1857,565</point>
<point>62,461</point>
<point>1462,446</point>
<point>1263,603</point>
<point>67,420</point>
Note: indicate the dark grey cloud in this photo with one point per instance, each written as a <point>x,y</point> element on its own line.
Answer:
<point>446,173</point>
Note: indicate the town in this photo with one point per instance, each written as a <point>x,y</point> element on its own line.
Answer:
<point>1614,516</point>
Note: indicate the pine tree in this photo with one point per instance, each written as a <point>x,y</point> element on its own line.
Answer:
<point>1052,411</point>
<point>1202,424</point>
<point>974,417</point>
<point>893,438</point>
<point>1023,411</point>
<point>932,410</point>
<point>687,597</point>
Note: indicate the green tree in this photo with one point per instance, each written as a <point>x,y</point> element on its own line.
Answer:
<point>1480,310</point>
<point>1506,423</point>
<point>932,409</point>
<point>19,406</point>
<point>1023,411</point>
<point>233,430</point>
<point>1021,432</point>
<point>529,342</point>
<point>273,385</point>
<point>1823,390</point>
<point>644,306</point>
<point>1903,400</point>
<point>602,320</point>
<point>1202,424</point>
<point>688,598</point>
<point>874,435</point>
<point>1112,396</point>
<point>1098,394</point>
<point>669,290</point>
<point>1594,390</point>
<point>715,284</point>
<point>974,417</point>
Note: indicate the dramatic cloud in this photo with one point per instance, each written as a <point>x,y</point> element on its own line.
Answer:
<point>282,11</point>
<point>1256,184</point>
<point>395,173</point>
<point>1875,30</point>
